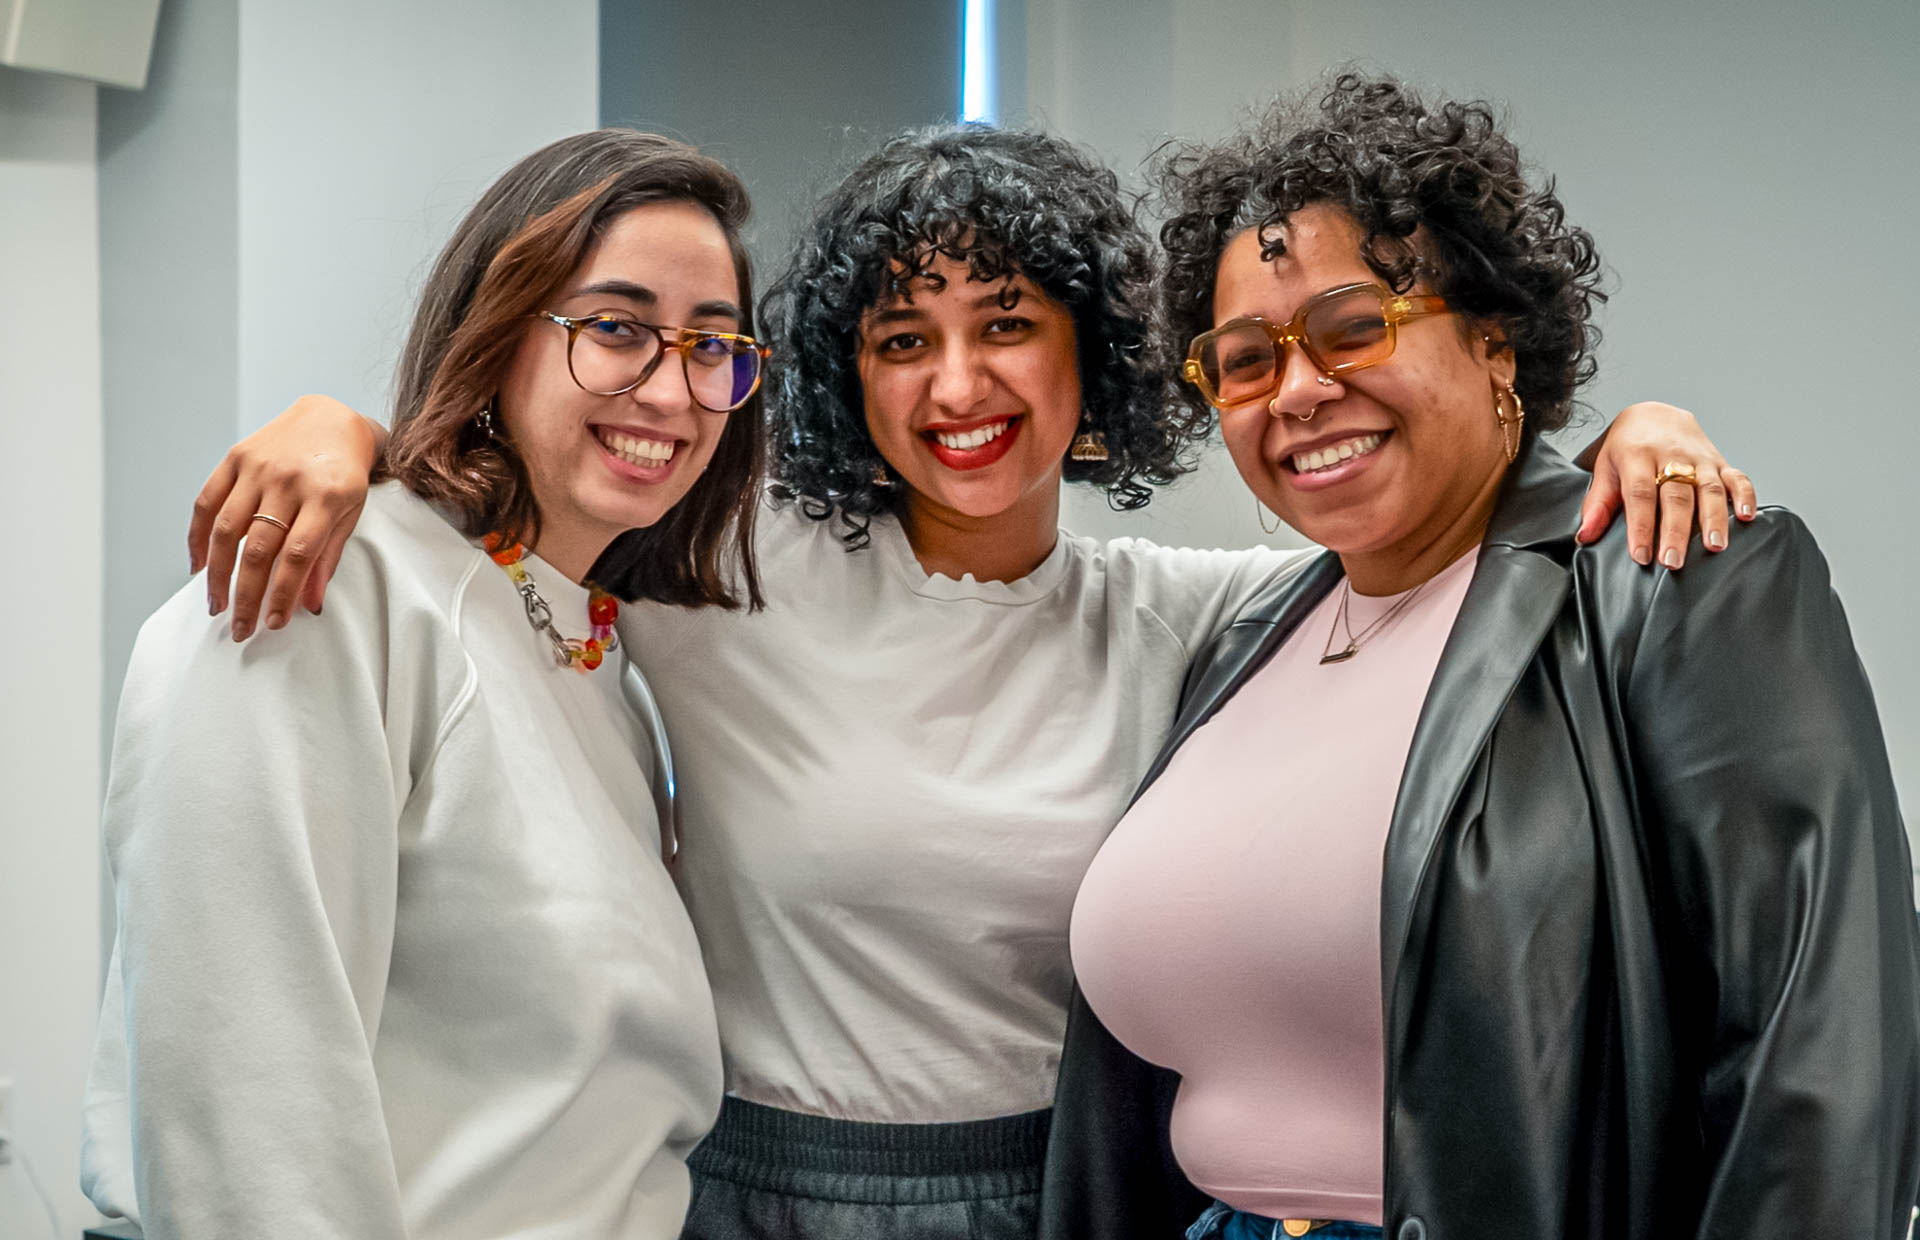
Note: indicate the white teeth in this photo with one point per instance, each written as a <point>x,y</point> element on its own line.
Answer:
<point>1345,450</point>
<point>636,451</point>
<point>969,440</point>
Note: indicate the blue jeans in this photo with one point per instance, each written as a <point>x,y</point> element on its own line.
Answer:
<point>1222,1222</point>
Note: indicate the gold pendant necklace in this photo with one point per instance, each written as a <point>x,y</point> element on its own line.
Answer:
<point>1329,655</point>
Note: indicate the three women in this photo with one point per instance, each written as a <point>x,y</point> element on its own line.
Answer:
<point>881,850</point>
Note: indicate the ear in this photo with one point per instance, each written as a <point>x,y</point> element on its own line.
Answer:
<point>1496,354</point>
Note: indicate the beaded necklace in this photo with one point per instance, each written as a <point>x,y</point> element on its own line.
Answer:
<point>582,655</point>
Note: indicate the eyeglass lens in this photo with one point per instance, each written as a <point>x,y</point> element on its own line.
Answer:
<point>612,355</point>
<point>1242,362</point>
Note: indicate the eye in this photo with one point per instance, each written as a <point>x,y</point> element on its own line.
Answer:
<point>613,332</point>
<point>899,342</point>
<point>709,351</point>
<point>1008,324</point>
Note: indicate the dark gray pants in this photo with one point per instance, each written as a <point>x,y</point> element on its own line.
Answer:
<point>768,1174</point>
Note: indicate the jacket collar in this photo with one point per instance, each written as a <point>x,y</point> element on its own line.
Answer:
<point>1519,585</point>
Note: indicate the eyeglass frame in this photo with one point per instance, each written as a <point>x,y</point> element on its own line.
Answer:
<point>683,344</point>
<point>1395,309</point>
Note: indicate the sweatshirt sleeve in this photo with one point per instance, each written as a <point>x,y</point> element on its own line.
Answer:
<point>1771,810</point>
<point>251,828</point>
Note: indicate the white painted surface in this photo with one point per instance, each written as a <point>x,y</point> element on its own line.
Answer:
<point>366,130</point>
<point>1747,170</point>
<point>50,628</point>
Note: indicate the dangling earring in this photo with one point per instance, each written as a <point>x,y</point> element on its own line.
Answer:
<point>1088,446</point>
<point>1519,419</point>
<point>484,420</point>
<point>1260,515</point>
<point>881,478</point>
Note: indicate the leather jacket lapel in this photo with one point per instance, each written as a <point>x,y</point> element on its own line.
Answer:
<point>1518,588</point>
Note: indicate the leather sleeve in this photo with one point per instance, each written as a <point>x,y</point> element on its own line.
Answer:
<point>1776,842</point>
<point>1110,1172</point>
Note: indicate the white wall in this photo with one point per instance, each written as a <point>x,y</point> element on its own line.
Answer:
<point>1748,170</point>
<point>50,629</point>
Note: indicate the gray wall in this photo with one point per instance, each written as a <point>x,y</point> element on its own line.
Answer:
<point>50,682</point>
<point>785,94</point>
<point>169,281</point>
<point>1748,169</point>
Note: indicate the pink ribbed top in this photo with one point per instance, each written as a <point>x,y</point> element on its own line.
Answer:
<point>1230,927</point>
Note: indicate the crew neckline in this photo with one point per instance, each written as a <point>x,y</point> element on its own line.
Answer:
<point>889,540</point>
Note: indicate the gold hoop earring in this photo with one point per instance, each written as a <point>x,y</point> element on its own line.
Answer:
<point>1500,398</point>
<point>1260,515</point>
<point>1088,446</point>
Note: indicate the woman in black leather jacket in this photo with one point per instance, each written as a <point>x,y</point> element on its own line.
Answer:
<point>1636,953</point>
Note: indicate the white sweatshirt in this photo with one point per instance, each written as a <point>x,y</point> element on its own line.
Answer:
<point>397,955</point>
<point>891,784</point>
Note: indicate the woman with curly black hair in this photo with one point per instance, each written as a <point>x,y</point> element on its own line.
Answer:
<point>1489,885</point>
<point>893,776</point>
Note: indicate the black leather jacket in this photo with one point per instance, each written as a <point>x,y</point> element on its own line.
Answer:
<point>1648,942</point>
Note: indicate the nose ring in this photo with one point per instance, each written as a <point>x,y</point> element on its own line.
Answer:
<point>1274,410</point>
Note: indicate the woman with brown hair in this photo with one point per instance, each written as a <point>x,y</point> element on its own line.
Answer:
<point>397,952</point>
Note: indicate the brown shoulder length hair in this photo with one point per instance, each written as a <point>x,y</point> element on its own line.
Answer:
<point>512,253</point>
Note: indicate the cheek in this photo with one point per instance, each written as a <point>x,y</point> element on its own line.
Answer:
<point>1242,432</point>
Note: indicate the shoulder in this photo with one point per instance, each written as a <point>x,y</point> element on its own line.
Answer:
<point>1774,551</point>
<point>398,583</point>
<point>1158,574</point>
<point>1735,614</point>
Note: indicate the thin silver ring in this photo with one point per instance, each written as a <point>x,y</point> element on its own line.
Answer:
<point>261,516</point>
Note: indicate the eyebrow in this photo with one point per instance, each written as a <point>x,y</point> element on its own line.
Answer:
<point>997,298</point>
<point>640,293</point>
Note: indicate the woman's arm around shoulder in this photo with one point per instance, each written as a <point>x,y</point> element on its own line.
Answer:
<point>1769,808</point>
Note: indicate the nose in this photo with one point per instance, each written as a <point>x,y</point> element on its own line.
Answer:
<point>1303,386</point>
<point>960,379</point>
<point>665,386</point>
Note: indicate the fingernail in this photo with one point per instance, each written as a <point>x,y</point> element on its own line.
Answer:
<point>1642,555</point>
<point>1746,510</point>
<point>241,629</point>
<point>213,604</point>
<point>1671,557</point>
<point>1716,540</point>
<point>276,619</point>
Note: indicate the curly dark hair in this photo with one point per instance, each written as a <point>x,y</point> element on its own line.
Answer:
<point>1003,202</point>
<point>1441,196</point>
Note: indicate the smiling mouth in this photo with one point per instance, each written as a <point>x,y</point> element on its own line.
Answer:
<point>646,453</point>
<point>969,441</point>
<point>1336,453</point>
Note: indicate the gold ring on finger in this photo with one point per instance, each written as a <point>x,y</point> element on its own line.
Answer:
<point>1676,471</point>
<point>261,516</point>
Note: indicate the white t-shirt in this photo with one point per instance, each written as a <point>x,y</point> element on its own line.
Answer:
<point>397,953</point>
<point>891,784</point>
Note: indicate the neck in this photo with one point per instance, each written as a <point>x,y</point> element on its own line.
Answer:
<point>573,552</point>
<point>1423,554</point>
<point>1003,547</point>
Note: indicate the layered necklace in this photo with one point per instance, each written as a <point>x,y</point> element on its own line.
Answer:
<point>1355,640</point>
<point>582,654</point>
